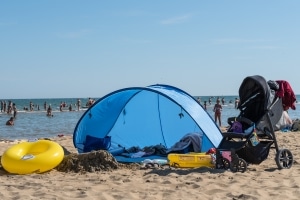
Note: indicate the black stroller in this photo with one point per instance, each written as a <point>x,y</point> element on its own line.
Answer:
<point>252,133</point>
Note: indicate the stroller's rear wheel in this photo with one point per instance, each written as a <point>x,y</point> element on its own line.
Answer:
<point>284,159</point>
<point>239,166</point>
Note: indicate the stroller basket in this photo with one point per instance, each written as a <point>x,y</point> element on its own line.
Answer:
<point>255,154</point>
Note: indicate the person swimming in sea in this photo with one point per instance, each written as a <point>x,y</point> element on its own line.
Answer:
<point>10,122</point>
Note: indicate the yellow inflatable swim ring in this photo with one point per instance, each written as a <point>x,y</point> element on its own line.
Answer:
<point>32,157</point>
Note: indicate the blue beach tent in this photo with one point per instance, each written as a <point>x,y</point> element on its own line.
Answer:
<point>145,116</point>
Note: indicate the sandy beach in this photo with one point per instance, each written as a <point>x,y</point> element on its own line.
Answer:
<point>262,181</point>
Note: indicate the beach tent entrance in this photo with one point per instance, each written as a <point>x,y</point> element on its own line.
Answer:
<point>144,116</point>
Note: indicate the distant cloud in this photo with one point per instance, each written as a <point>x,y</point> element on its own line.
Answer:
<point>176,20</point>
<point>74,34</point>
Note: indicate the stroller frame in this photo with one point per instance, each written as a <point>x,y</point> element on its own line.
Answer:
<point>263,119</point>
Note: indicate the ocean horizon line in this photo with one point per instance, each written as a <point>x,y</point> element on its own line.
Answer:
<point>102,96</point>
<point>56,98</point>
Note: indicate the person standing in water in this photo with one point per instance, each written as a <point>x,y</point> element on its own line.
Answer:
<point>236,103</point>
<point>205,105</point>
<point>70,107</point>
<point>218,110</point>
<point>49,111</point>
<point>78,104</point>
<point>14,107</point>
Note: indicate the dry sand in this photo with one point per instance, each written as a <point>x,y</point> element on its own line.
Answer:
<point>74,179</point>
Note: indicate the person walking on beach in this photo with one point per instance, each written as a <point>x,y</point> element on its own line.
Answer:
<point>218,109</point>
<point>45,106</point>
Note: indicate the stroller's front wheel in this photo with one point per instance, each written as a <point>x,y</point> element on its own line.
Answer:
<point>240,166</point>
<point>284,159</point>
<point>223,163</point>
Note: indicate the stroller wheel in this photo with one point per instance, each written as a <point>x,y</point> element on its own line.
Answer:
<point>223,163</point>
<point>284,159</point>
<point>239,166</point>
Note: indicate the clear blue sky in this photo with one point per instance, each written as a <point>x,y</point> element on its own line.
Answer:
<point>71,48</point>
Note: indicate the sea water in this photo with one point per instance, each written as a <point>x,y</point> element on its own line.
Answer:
<point>35,124</point>
<point>229,110</point>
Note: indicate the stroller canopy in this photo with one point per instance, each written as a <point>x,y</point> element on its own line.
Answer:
<point>259,97</point>
<point>255,97</point>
